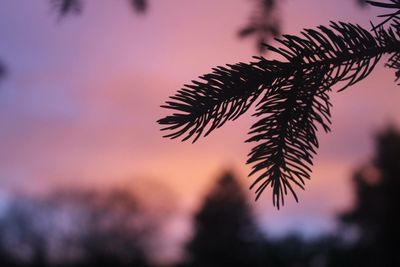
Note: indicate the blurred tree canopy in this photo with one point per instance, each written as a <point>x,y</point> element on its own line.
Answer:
<point>85,228</point>
<point>377,204</point>
<point>76,228</point>
<point>225,233</point>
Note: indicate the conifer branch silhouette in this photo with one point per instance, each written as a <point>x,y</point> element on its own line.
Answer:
<point>291,94</point>
<point>294,98</point>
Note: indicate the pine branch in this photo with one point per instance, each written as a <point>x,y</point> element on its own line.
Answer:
<point>293,93</point>
<point>394,63</point>
<point>294,106</point>
<point>225,94</point>
<point>393,5</point>
<point>288,133</point>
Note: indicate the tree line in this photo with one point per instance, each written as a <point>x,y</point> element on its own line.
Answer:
<point>82,228</point>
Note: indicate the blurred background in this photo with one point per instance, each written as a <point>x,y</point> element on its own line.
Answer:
<point>86,178</point>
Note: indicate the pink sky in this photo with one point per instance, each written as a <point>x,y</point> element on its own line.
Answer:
<point>82,97</point>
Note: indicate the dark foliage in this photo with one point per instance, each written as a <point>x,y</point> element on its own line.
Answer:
<point>110,232</point>
<point>393,16</point>
<point>374,216</point>
<point>225,233</point>
<point>291,94</point>
<point>378,203</point>
<point>75,229</point>
<point>115,234</point>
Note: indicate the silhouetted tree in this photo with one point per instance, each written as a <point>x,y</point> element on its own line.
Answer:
<point>377,206</point>
<point>225,232</point>
<point>292,94</point>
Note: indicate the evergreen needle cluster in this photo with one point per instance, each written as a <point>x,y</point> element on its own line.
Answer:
<point>291,96</point>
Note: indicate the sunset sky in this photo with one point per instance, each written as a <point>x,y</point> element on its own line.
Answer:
<point>80,103</point>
